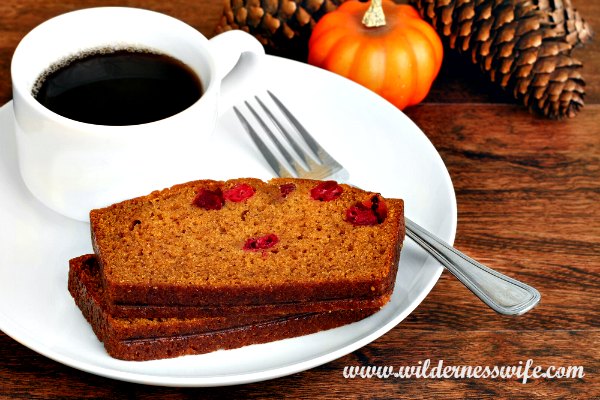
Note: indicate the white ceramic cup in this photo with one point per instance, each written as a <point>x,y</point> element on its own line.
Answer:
<point>73,167</point>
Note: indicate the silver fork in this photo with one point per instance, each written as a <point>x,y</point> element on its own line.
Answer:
<point>503,294</point>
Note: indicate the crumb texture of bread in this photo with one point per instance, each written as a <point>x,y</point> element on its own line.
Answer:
<point>245,242</point>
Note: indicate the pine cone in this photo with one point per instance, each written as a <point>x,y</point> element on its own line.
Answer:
<point>282,26</point>
<point>522,45</point>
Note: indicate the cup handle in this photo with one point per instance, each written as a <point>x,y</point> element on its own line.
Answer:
<point>237,55</point>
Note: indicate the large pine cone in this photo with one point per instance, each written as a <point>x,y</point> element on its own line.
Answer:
<point>524,46</point>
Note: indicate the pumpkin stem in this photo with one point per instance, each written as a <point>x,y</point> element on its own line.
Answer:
<point>374,16</point>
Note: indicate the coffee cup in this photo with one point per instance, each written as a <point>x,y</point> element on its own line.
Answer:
<point>73,166</point>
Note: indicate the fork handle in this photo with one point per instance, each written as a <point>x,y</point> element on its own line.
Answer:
<point>503,294</point>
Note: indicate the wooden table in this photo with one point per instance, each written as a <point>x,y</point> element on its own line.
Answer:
<point>528,193</point>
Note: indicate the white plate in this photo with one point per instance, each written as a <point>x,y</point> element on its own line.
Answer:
<point>383,151</point>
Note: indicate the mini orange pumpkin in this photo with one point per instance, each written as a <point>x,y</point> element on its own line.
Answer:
<point>398,58</point>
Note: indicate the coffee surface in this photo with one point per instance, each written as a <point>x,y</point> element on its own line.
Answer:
<point>123,87</point>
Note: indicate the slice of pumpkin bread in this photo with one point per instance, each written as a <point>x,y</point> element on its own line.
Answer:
<point>291,245</point>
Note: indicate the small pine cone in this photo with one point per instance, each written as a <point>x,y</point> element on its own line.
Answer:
<point>523,46</point>
<point>282,26</point>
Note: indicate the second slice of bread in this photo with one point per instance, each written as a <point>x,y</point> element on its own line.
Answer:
<point>146,339</point>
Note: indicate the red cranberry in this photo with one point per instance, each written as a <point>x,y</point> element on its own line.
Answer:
<point>359,214</point>
<point>261,243</point>
<point>370,212</point>
<point>286,189</point>
<point>378,206</point>
<point>209,199</point>
<point>326,191</point>
<point>239,192</point>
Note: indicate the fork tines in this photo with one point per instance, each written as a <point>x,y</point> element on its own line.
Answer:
<point>290,154</point>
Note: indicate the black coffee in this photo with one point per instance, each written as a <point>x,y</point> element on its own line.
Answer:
<point>124,87</point>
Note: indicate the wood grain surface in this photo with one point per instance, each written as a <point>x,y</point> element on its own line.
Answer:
<point>528,193</point>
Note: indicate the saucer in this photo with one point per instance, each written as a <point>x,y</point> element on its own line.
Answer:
<point>380,147</point>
